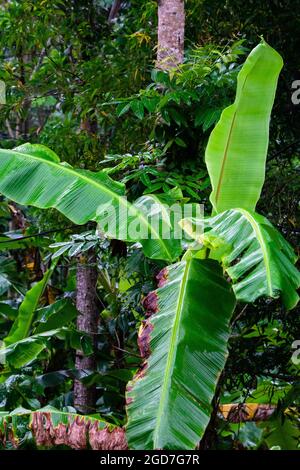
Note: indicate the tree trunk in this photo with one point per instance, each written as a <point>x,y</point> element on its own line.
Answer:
<point>87,321</point>
<point>171,21</point>
<point>114,10</point>
<point>86,303</point>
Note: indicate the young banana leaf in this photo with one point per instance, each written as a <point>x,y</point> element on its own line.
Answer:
<point>169,400</point>
<point>259,261</point>
<point>33,175</point>
<point>237,148</point>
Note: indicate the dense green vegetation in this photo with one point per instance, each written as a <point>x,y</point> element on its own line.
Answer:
<point>166,313</point>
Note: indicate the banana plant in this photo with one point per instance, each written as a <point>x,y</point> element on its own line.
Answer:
<point>183,339</point>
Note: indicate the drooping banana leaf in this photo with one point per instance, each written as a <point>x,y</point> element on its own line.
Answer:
<point>33,175</point>
<point>22,323</point>
<point>259,261</point>
<point>237,148</point>
<point>24,351</point>
<point>51,427</point>
<point>56,315</point>
<point>184,344</point>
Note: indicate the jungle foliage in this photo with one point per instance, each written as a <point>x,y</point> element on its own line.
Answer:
<point>87,89</point>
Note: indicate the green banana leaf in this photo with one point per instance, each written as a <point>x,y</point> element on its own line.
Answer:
<point>22,323</point>
<point>282,435</point>
<point>237,148</point>
<point>24,351</point>
<point>33,175</point>
<point>169,400</point>
<point>259,261</point>
<point>51,427</point>
<point>56,315</point>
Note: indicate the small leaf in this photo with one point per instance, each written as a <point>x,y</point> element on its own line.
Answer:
<point>138,108</point>
<point>122,108</point>
<point>177,117</point>
<point>149,103</point>
<point>180,142</point>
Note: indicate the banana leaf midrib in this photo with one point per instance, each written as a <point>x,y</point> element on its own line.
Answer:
<point>171,355</point>
<point>103,188</point>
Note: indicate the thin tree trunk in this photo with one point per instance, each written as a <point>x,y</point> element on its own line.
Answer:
<point>23,122</point>
<point>171,22</point>
<point>87,321</point>
<point>88,318</point>
<point>114,10</point>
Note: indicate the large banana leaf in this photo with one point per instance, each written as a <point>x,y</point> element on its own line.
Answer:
<point>169,400</point>
<point>22,323</point>
<point>237,147</point>
<point>257,258</point>
<point>33,175</point>
<point>51,427</point>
